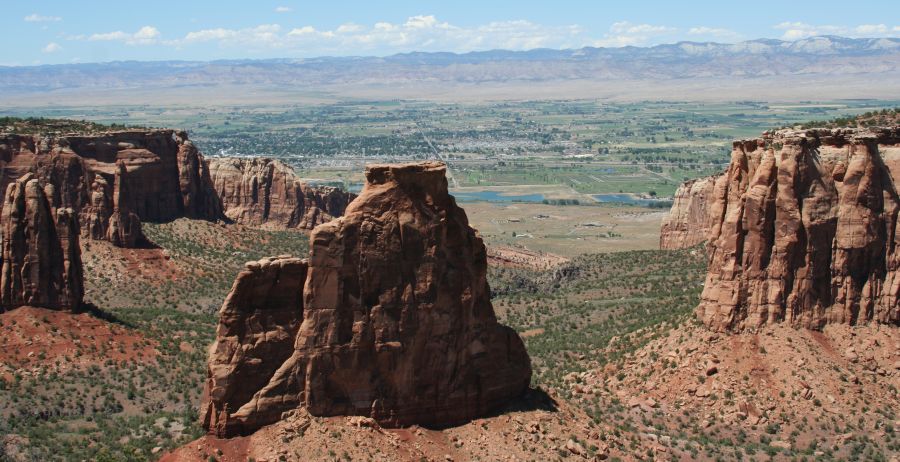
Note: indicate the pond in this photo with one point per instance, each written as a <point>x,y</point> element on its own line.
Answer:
<point>495,196</point>
<point>630,199</point>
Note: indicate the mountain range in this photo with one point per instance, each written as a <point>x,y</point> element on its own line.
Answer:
<point>824,55</point>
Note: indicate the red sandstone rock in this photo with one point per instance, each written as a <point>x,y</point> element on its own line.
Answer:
<point>266,192</point>
<point>257,326</point>
<point>687,223</point>
<point>805,231</point>
<point>41,258</point>
<point>124,226</point>
<point>397,322</point>
<point>166,178</point>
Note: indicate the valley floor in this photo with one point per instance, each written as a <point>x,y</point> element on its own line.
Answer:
<point>620,369</point>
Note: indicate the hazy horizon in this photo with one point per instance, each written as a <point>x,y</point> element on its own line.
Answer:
<point>57,32</point>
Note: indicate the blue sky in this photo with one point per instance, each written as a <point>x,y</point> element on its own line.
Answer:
<point>68,31</point>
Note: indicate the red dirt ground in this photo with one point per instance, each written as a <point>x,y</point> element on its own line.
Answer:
<point>33,337</point>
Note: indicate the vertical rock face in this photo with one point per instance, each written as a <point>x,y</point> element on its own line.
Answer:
<point>266,192</point>
<point>687,223</point>
<point>257,326</point>
<point>41,258</point>
<point>804,231</point>
<point>165,177</point>
<point>124,228</point>
<point>397,322</point>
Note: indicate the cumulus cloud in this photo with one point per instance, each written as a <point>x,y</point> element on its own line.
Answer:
<point>52,47</point>
<point>624,33</point>
<point>283,9</point>
<point>262,34</point>
<point>801,30</point>
<point>415,33</point>
<point>147,35</point>
<point>421,33</point>
<point>34,17</point>
<point>714,32</point>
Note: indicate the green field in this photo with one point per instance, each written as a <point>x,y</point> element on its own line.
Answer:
<point>591,146</point>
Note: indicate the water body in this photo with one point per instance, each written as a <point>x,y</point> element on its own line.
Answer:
<point>494,196</point>
<point>629,199</point>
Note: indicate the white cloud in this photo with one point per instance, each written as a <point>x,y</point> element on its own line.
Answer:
<point>52,47</point>
<point>262,34</point>
<point>624,33</point>
<point>871,29</point>
<point>627,28</point>
<point>147,35</point>
<point>283,9</point>
<point>802,30</point>
<point>349,28</point>
<point>34,17</point>
<point>715,32</point>
<point>305,30</point>
<point>421,22</point>
<point>421,33</point>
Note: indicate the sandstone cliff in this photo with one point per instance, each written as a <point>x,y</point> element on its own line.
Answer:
<point>804,231</point>
<point>164,178</point>
<point>687,223</point>
<point>395,321</point>
<point>41,258</point>
<point>266,192</point>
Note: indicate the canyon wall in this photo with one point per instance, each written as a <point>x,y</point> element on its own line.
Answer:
<point>267,193</point>
<point>395,320</point>
<point>688,221</point>
<point>804,231</point>
<point>40,262</point>
<point>114,180</point>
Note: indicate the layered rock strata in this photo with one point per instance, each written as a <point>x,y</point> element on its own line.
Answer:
<point>395,321</point>
<point>687,223</point>
<point>804,231</point>
<point>114,180</point>
<point>265,192</point>
<point>40,263</point>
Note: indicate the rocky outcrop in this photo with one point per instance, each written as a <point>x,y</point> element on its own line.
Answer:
<point>257,326</point>
<point>804,231</point>
<point>397,322</point>
<point>164,178</point>
<point>265,192</point>
<point>41,258</point>
<point>687,223</point>
<point>124,229</point>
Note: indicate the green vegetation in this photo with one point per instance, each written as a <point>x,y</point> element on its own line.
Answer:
<point>577,308</point>
<point>121,410</point>
<point>35,125</point>
<point>590,146</point>
<point>884,117</point>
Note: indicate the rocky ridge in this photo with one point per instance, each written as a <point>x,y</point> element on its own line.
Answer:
<point>41,257</point>
<point>687,223</point>
<point>804,231</point>
<point>267,193</point>
<point>114,180</point>
<point>395,321</point>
